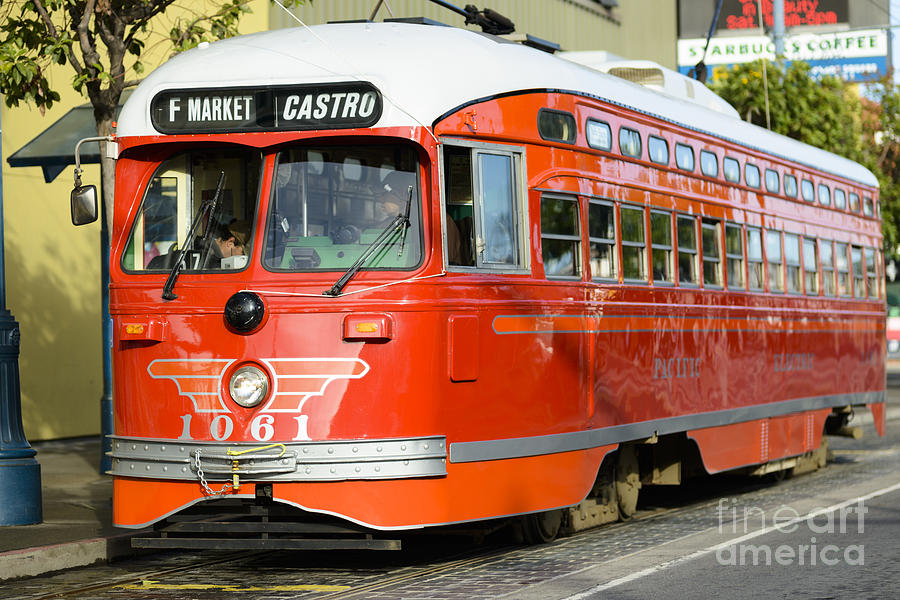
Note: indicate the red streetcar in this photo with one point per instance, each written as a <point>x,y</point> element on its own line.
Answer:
<point>403,276</point>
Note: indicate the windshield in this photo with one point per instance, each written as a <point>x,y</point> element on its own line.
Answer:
<point>175,194</point>
<point>330,203</point>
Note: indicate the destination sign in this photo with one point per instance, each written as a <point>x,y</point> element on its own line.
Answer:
<point>277,108</point>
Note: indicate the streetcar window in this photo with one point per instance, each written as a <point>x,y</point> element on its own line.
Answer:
<point>556,126</point>
<point>330,203</point>
<point>712,257</point>
<point>859,273</point>
<point>484,206</point>
<point>808,191</point>
<point>658,149</point>
<point>868,207</point>
<point>840,199</point>
<point>824,195</point>
<point>751,175</point>
<point>810,267</point>
<point>871,274</point>
<point>684,157</point>
<point>560,237</point>
<point>174,196</point>
<point>773,261</point>
<point>709,163</point>
<point>754,259</point>
<point>732,169</point>
<point>854,202</point>
<point>602,237</point>
<point>599,135</point>
<point>734,255</point>
<point>790,186</point>
<point>687,249</point>
<point>772,183</point>
<point>842,267</point>
<point>826,257</point>
<point>661,246</point>
<point>792,262</point>
<point>629,142</point>
<point>634,259</point>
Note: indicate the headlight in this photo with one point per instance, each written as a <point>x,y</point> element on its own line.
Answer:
<point>249,386</point>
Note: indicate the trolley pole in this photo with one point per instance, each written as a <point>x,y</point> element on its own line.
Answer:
<point>20,473</point>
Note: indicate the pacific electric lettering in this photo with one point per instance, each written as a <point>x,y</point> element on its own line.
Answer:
<point>336,105</point>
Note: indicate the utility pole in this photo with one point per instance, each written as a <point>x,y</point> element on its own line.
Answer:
<point>20,473</point>
<point>778,27</point>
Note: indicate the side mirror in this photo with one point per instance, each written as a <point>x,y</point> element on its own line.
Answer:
<point>84,204</point>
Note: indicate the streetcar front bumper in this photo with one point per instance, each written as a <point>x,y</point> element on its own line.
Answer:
<point>279,462</point>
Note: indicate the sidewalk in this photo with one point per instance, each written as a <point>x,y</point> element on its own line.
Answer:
<point>77,505</point>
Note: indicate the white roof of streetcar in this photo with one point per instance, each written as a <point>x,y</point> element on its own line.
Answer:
<point>424,71</point>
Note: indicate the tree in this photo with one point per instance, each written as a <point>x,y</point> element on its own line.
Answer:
<point>102,41</point>
<point>829,114</point>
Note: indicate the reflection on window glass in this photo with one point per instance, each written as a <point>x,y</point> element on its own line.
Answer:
<point>868,207</point>
<point>826,254</point>
<point>560,237</point>
<point>556,126</point>
<point>871,274</point>
<point>790,186</point>
<point>792,262</point>
<point>840,199</point>
<point>658,149</point>
<point>330,203</point>
<point>661,242</point>
<point>687,249</point>
<point>712,261</point>
<point>824,195</point>
<point>709,163</point>
<point>629,142</point>
<point>602,236</point>
<point>599,135</point>
<point>808,191</point>
<point>854,202</point>
<point>810,267</point>
<point>174,196</point>
<point>732,169</point>
<point>859,273</point>
<point>754,259</point>
<point>684,157</point>
<point>751,175</point>
<point>499,215</point>
<point>773,258</point>
<point>842,268</point>
<point>772,181</point>
<point>734,256</point>
<point>634,259</point>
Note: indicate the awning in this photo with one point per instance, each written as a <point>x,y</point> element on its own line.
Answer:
<point>54,149</point>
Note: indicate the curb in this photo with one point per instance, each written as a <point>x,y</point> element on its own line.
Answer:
<point>40,560</point>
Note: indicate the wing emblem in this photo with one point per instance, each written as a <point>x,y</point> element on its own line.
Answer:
<point>199,379</point>
<point>295,380</point>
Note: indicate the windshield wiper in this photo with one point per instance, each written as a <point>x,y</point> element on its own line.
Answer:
<point>400,221</point>
<point>206,208</point>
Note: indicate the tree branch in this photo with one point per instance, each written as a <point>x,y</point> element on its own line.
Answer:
<point>54,33</point>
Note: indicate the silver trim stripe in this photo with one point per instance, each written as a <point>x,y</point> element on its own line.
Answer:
<point>463,452</point>
<point>296,461</point>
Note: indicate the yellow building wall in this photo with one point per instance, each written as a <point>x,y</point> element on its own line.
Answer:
<point>641,29</point>
<point>53,268</point>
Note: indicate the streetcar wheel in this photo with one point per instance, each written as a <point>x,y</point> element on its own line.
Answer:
<point>628,481</point>
<point>542,527</point>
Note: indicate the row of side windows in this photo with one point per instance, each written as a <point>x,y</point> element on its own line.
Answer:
<point>639,245</point>
<point>560,126</point>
